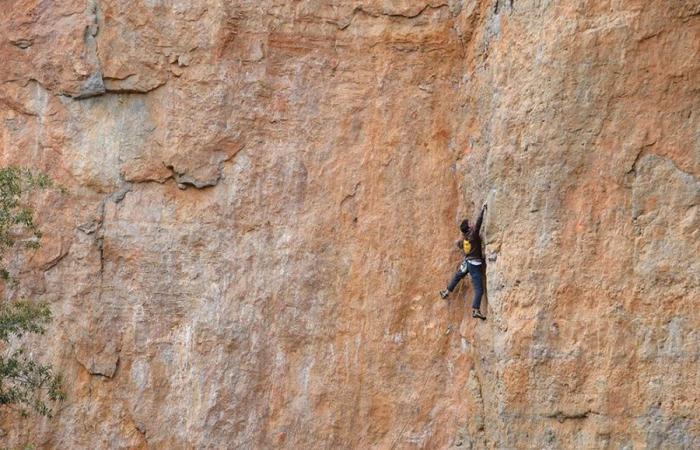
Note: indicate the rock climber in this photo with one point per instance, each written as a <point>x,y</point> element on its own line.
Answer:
<point>473,263</point>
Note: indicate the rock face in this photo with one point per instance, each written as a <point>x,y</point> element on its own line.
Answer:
<point>264,196</point>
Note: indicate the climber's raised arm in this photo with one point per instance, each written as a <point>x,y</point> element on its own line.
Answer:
<point>477,227</point>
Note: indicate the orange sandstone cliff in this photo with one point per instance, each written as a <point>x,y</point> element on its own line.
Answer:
<point>263,199</point>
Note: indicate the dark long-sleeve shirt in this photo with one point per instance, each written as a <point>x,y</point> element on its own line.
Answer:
<point>474,239</point>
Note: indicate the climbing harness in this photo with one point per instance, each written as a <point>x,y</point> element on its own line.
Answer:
<point>464,268</point>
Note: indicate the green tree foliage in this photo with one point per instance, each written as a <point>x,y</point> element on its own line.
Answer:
<point>24,383</point>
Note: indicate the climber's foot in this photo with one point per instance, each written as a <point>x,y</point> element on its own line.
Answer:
<point>444,293</point>
<point>477,314</point>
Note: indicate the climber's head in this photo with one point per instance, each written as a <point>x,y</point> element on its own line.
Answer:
<point>464,227</point>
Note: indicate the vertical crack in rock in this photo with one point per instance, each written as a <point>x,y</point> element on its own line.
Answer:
<point>496,5</point>
<point>481,426</point>
<point>92,357</point>
<point>94,84</point>
<point>99,240</point>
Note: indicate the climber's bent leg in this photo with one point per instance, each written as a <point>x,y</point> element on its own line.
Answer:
<point>455,280</point>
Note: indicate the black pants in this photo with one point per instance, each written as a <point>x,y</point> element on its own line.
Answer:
<point>477,274</point>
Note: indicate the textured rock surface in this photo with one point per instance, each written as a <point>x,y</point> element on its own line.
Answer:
<point>264,196</point>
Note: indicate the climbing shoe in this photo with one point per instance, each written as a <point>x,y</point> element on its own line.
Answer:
<point>477,314</point>
<point>444,293</point>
